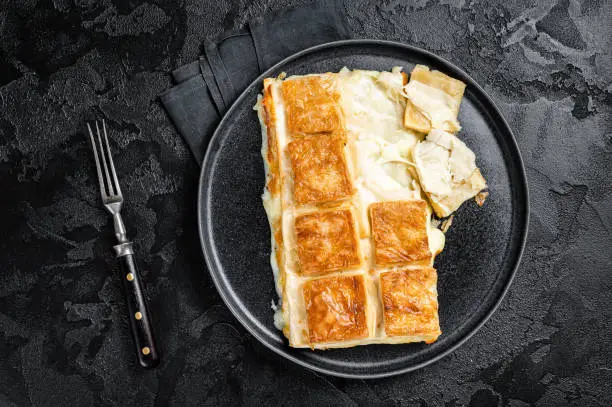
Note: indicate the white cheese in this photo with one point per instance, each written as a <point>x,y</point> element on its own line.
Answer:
<point>447,171</point>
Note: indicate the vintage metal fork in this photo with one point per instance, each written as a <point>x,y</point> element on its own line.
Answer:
<point>140,320</point>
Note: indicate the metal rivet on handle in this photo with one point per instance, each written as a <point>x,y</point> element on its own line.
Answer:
<point>130,277</point>
<point>138,315</point>
<point>146,350</point>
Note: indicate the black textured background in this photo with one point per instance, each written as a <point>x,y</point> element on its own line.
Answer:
<point>63,332</point>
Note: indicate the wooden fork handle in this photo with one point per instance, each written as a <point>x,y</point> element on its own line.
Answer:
<point>140,319</point>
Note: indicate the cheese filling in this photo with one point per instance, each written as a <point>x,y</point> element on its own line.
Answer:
<point>447,170</point>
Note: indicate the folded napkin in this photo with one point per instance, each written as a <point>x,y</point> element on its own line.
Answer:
<point>206,88</point>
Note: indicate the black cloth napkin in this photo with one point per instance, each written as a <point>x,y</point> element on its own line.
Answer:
<point>206,88</point>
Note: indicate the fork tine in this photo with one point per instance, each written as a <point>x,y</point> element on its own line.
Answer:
<point>110,159</point>
<point>98,167</point>
<point>104,162</point>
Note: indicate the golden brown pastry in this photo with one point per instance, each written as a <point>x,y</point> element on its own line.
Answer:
<point>399,231</point>
<point>311,104</point>
<point>336,309</point>
<point>326,242</point>
<point>410,302</point>
<point>319,168</point>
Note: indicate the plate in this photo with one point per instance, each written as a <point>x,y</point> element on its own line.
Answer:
<point>483,248</point>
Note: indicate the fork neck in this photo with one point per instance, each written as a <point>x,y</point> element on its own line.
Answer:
<point>119,228</point>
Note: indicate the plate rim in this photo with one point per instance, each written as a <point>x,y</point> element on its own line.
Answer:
<point>205,234</point>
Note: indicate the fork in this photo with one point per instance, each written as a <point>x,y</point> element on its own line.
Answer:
<point>140,320</point>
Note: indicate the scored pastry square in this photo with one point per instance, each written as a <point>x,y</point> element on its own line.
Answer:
<point>311,105</point>
<point>320,171</point>
<point>399,231</point>
<point>410,304</point>
<point>326,241</point>
<point>336,309</point>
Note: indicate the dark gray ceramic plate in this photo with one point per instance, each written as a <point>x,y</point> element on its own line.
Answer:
<point>483,246</point>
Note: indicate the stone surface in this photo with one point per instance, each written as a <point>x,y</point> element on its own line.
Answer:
<point>63,333</point>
